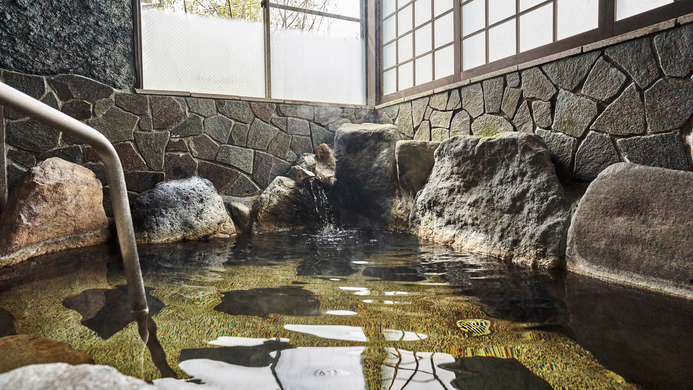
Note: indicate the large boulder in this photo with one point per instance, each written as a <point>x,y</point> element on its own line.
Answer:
<point>366,186</point>
<point>414,163</point>
<point>240,209</point>
<point>62,376</point>
<point>57,205</point>
<point>186,209</point>
<point>635,225</point>
<point>497,195</point>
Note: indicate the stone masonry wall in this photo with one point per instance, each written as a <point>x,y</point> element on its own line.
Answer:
<point>631,101</point>
<point>240,146</point>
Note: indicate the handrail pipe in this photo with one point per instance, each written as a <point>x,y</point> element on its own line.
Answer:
<point>49,116</point>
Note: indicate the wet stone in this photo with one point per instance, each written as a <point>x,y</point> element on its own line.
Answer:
<point>668,104</point>
<point>441,119</point>
<point>220,176</point>
<point>21,157</point>
<point>136,104</point>
<point>320,135</point>
<point>218,127</point>
<point>625,116</point>
<point>490,126</point>
<point>237,157</point>
<point>141,181</point>
<point>239,134</point>
<point>166,112</point>
<point>107,311</point>
<point>536,85</point>
<point>33,86</point>
<point>493,94</point>
<point>461,124</point>
<point>261,302</point>
<point>261,134</point>
<point>202,107</point>
<point>236,110</point>
<point>266,167</point>
<point>129,158</point>
<point>31,136</point>
<point>523,119</point>
<point>404,121</point>
<point>439,101</point>
<point>78,109</point>
<point>327,114</point>
<point>568,73</point>
<point>573,114</point>
<point>513,80</point>
<point>661,150</point>
<point>176,145</point>
<point>424,131</point>
<point>191,126</point>
<point>116,124</point>
<point>594,155</point>
<point>243,186</point>
<point>542,113</point>
<point>511,98</point>
<point>604,81</point>
<point>72,154</point>
<point>279,146</point>
<point>298,126</point>
<point>303,112</point>
<point>203,147</point>
<point>454,101</point>
<point>637,59</point>
<point>473,99</point>
<point>300,145</point>
<point>675,49</point>
<point>179,166</point>
<point>562,148</point>
<point>70,87</point>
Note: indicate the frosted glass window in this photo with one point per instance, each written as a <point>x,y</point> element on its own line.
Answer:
<point>422,38</point>
<point>577,17</point>
<point>390,81</point>
<point>473,16</point>
<point>389,56</point>
<point>406,75</point>
<point>474,51</point>
<point>424,69</point>
<point>445,62</point>
<point>404,20</point>
<point>628,8</point>
<point>536,28</point>
<point>444,32</point>
<point>389,6</point>
<point>405,49</point>
<point>422,11</point>
<point>527,4</point>
<point>499,10</point>
<point>441,6</point>
<point>389,29</point>
<point>351,8</point>
<point>501,41</point>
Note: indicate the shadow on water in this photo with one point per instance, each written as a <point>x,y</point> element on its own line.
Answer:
<point>490,373</point>
<point>6,323</point>
<point>285,300</point>
<point>246,356</point>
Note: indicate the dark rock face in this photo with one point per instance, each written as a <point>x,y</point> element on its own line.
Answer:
<point>285,300</point>
<point>93,40</point>
<point>32,136</point>
<point>625,116</point>
<point>179,166</point>
<point>634,225</point>
<point>152,146</point>
<point>562,148</point>
<point>637,59</point>
<point>143,180</point>
<point>116,124</point>
<point>512,208</point>
<point>659,150</point>
<point>220,176</point>
<point>6,323</point>
<point>191,126</point>
<point>414,163</point>
<point>266,167</point>
<point>366,174</point>
<point>675,49</point>
<point>668,104</point>
<point>596,152</point>
<point>604,81</point>
<point>166,112</point>
<point>569,72</point>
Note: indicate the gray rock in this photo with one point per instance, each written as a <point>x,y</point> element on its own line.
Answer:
<point>279,146</point>
<point>166,112</point>
<point>63,376</point>
<point>404,122</point>
<point>668,104</point>
<point>536,85</point>
<point>513,208</point>
<point>177,145</point>
<point>439,135</point>
<point>203,147</point>
<point>439,101</point>
<point>604,81</point>
<point>239,134</point>
<point>637,59</point>
<point>418,108</point>
<point>423,133</point>
<point>325,166</point>
<point>135,104</point>
<point>513,80</point>
<point>70,87</point>
<point>264,111</point>
<point>304,112</point>
<point>266,167</point>
<point>490,126</point>
<point>140,181</point>
<point>129,158</point>
<point>511,98</point>
<point>152,146</point>
<point>675,49</point>
<point>218,127</point>
<point>366,186</point>
<point>281,123</point>
<point>625,116</point>
<point>661,150</point>
<point>179,166</point>
<point>574,114</point>
<point>175,210</point>
<point>191,126</point>
<point>220,176</point>
<point>392,111</point>
<point>493,94</point>
<point>414,163</point>
<point>236,109</point>
<point>203,107</point>
<point>300,145</point>
<point>31,136</point>
<point>427,114</point>
<point>327,114</point>
<point>243,186</point>
<point>240,158</point>
<point>594,155</point>
<point>334,126</point>
<point>473,99</point>
<point>299,174</point>
<point>441,119</point>
<point>145,123</point>
<point>51,100</point>
<point>633,226</point>
<point>562,149</point>
<point>460,125</point>
<point>116,124</point>
<point>101,106</point>
<point>298,126</point>
<point>34,86</point>
<point>568,73</point>
<point>321,136</point>
<point>542,113</point>
<point>454,101</point>
<point>78,109</point>
<point>23,158</point>
<point>523,119</point>
<point>240,209</point>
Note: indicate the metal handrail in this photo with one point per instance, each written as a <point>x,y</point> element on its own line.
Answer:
<point>49,116</point>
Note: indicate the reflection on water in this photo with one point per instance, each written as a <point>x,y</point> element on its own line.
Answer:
<point>491,373</point>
